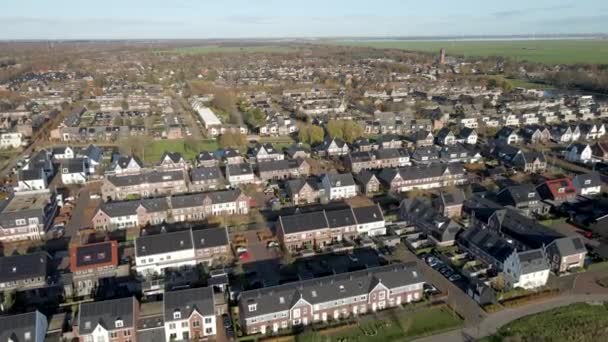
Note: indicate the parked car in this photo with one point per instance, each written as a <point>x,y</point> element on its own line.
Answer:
<point>244,256</point>
<point>227,321</point>
<point>272,244</point>
<point>430,289</point>
<point>454,277</point>
<point>241,249</point>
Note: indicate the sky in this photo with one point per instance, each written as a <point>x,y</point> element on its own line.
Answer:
<point>200,19</point>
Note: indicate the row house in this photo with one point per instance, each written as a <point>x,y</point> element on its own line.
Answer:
<point>283,169</point>
<point>368,182</point>
<point>557,190</point>
<point>206,159</point>
<point>536,135</point>
<point>284,307</point>
<point>278,126</point>
<point>180,208</point>
<point>125,165</point>
<point>332,148</point>
<point>587,184</point>
<point>523,197</point>
<point>422,138</point>
<point>377,159</point>
<point>26,215</point>
<point>152,183</point>
<point>423,177</point>
<point>172,161</point>
<point>24,272</point>
<point>90,264</point>
<point>237,174</point>
<point>108,320</point>
<point>318,230</point>
<point>579,153</point>
<point>459,153</point>
<point>187,248</point>
<point>206,178</point>
<point>440,229</point>
<point>389,141</point>
<point>189,315</point>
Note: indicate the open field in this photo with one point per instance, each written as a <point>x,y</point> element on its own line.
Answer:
<point>542,51</point>
<point>195,50</point>
<point>577,322</point>
<point>395,325</point>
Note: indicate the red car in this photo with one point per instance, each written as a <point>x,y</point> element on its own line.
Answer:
<point>244,256</point>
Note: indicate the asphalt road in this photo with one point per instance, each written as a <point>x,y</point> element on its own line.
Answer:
<point>78,219</point>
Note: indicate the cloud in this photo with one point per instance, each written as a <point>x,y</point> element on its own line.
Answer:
<point>524,11</point>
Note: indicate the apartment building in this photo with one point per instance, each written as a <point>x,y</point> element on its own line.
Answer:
<point>24,272</point>
<point>26,215</point>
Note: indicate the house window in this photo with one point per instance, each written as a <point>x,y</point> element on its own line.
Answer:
<point>296,313</point>
<point>184,324</point>
<point>209,331</point>
<point>27,335</point>
<point>253,307</point>
<point>207,320</point>
<point>119,323</point>
<point>171,326</point>
<point>177,315</point>
<point>113,334</point>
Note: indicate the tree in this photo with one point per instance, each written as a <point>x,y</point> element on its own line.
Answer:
<point>234,140</point>
<point>255,117</point>
<point>8,300</point>
<point>316,134</point>
<point>335,129</point>
<point>352,131</point>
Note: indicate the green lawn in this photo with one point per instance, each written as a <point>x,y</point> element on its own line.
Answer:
<point>578,322</point>
<point>394,325</point>
<point>155,150</point>
<point>543,51</point>
<point>197,50</point>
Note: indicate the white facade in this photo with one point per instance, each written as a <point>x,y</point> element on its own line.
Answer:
<point>574,155</point>
<point>74,178</point>
<point>372,229</point>
<point>11,140</point>
<point>32,185</point>
<point>175,329</point>
<point>512,270</point>
<point>157,263</point>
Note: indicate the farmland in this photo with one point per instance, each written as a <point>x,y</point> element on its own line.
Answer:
<point>542,51</point>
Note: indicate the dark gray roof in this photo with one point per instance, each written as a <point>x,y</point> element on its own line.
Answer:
<point>369,214</point>
<point>18,267</point>
<point>124,208</point>
<point>453,197</point>
<point>365,176</point>
<point>76,165</point>
<point>521,193</point>
<point>533,260</point>
<point>205,173</point>
<point>422,171</point>
<point>106,313</point>
<point>13,328</point>
<point>186,301</point>
<point>593,178</point>
<point>31,174</point>
<point>93,153</point>
<point>205,156</point>
<point>175,157</point>
<point>277,165</point>
<point>340,179</point>
<point>295,185</point>
<point>488,241</point>
<point>93,254</point>
<point>238,169</point>
<point>325,289</point>
<point>524,229</point>
<point>569,245</point>
<point>149,177</point>
<point>210,237</point>
<point>123,161</point>
<point>163,243</point>
<point>390,153</point>
<point>340,218</point>
<point>303,222</point>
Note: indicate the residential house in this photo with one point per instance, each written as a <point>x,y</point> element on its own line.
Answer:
<point>197,206</point>
<point>389,141</point>
<point>377,159</point>
<point>339,186</point>
<point>587,184</point>
<point>425,155</point>
<point>108,320</point>
<point>232,156</point>
<point>445,137</point>
<point>508,135</point>
<point>265,152</point>
<point>557,190</point>
<point>527,231</point>
<point>118,215</point>
<point>423,177</point>
<point>458,153</point>
<point>368,182</point>
<point>93,156</point>
<point>364,145</point>
<point>283,169</point>
<point>468,135</point>
<point>206,178</point>
<point>206,159</point>
<point>304,191</point>
<point>419,213</point>
<point>172,161</point>
<point>523,197</point>
<point>306,302</point>
<point>150,183</point>
<point>125,165</point>
<point>24,272</point>
<point>332,148</point>
<point>449,203</point>
<point>321,229</point>
<point>297,151</point>
<point>189,315</point>
<point>535,134</point>
<point>90,263</point>
<point>156,252</point>
<point>31,180</point>
<point>422,138</point>
<point>579,153</point>
<point>526,269</point>
<point>26,215</point>
<point>11,140</point>
<point>30,327</point>
<point>74,171</point>
<point>566,254</point>
<point>600,151</point>
<point>63,152</point>
<point>531,162</point>
<point>237,174</point>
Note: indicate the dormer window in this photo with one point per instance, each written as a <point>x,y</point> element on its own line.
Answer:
<point>587,181</point>
<point>87,325</point>
<point>119,323</point>
<point>177,314</point>
<point>252,307</point>
<point>561,190</point>
<point>531,195</point>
